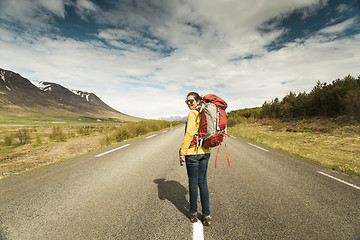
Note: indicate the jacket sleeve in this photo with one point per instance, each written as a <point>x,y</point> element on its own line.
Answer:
<point>191,129</point>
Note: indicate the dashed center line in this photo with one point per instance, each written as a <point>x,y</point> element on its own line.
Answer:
<point>198,231</point>
<point>101,154</point>
<point>259,147</point>
<point>342,181</point>
<point>151,136</point>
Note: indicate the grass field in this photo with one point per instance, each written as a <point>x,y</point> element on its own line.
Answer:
<point>27,147</point>
<point>319,140</point>
<point>39,120</point>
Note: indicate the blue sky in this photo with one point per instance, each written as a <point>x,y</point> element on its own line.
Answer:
<point>143,57</point>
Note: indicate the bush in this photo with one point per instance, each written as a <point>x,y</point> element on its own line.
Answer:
<point>105,141</point>
<point>84,131</point>
<point>24,136</point>
<point>242,115</point>
<point>38,140</point>
<point>8,140</point>
<point>135,129</point>
<point>57,135</point>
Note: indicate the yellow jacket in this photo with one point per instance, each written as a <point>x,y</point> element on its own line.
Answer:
<point>193,123</point>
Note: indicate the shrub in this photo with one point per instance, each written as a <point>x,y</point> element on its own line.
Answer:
<point>122,134</point>
<point>84,131</point>
<point>38,140</point>
<point>23,135</point>
<point>57,135</point>
<point>8,140</point>
<point>105,141</point>
<point>135,129</point>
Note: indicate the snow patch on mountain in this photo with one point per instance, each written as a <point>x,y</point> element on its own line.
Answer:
<point>47,87</point>
<point>41,85</point>
<point>81,94</point>
<point>2,74</point>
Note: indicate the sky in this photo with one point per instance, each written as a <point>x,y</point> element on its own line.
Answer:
<point>142,57</point>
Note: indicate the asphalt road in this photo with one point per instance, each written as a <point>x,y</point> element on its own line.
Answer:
<point>139,191</point>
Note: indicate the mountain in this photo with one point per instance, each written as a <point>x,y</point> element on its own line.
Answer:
<point>70,96</point>
<point>173,118</point>
<point>22,98</point>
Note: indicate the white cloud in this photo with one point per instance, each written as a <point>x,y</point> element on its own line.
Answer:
<point>36,13</point>
<point>209,39</point>
<point>297,68</point>
<point>86,5</point>
<point>85,8</point>
<point>343,8</point>
<point>341,27</point>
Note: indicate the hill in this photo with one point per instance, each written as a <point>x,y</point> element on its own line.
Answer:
<point>22,100</point>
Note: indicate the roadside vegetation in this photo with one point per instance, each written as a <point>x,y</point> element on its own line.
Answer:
<point>322,126</point>
<point>132,130</point>
<point>23,148</point>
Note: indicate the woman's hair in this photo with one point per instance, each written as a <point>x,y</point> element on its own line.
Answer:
<point>196,96</point>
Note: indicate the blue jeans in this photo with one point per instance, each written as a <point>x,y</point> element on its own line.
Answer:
<point>196,166</point>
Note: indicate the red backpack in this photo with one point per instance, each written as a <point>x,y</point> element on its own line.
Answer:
<point>212,129</point>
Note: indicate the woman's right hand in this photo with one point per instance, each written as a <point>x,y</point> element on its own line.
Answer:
<point>182,160</point>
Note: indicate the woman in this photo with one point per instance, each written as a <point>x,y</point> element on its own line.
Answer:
<point>196,159</point>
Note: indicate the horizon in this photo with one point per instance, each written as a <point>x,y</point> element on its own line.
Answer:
<point>142,58</point>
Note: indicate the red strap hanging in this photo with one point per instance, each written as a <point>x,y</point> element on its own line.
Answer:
<point>217,153</point>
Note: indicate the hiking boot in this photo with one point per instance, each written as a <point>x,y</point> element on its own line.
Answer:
<point>193,217</point>
<point>207,220</point>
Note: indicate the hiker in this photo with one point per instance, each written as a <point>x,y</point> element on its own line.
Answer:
<point>196,160</point>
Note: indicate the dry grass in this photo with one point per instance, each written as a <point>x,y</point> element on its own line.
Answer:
<point>30,156</point>
<point>46,145</point>
<point>329,144</point>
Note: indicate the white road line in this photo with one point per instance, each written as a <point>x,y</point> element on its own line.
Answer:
<point>342,181</point>
<point>151,136</point>
<point>258,147</point>
<point>198,231</point>
<point>164,131</point>
<point>101,154</point>
<point>233,137</point>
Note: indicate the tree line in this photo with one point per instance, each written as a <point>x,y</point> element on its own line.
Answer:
<point>341,97</point>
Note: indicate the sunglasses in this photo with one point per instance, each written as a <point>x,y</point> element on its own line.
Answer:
<point>189,101</point>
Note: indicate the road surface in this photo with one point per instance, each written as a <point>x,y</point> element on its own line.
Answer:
<point>138,190</point>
